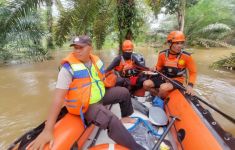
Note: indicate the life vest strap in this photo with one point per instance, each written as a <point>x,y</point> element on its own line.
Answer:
<point>82,117</point>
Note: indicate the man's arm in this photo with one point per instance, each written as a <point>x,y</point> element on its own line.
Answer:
<point>46,136</point>
<point>190,65</point>
<point>138,63</point>
<point>57,104</point>
<point>114,63</point>
<point>160,62</point>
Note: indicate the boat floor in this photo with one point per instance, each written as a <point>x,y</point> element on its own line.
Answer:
<point>103,137</point>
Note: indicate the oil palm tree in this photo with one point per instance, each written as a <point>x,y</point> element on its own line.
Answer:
<point>22,26</point>
<point>97,18</point>
<point>19,32</point>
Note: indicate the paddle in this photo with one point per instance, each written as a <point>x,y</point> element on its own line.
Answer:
<point>203,101</point>
<point>157,145</point>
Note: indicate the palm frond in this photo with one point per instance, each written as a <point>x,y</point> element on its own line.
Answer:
<point>211,43</point>
<point>215,31</point>
<point>204,28</point>
<point>101,24</point>
<point>63,27</point>
<point>21,30</point>
<point>227,62</point>
<point>20,9</point>
<point>27,28</point>
<point>155,5</point>
<point>86,11</point>
<point>12,13</point>
<point>216,27</point>
<point>76,21</point>
<point>59,5</point>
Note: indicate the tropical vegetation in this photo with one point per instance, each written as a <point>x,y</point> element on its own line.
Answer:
<point>227,63</point>
<point>30,29</point>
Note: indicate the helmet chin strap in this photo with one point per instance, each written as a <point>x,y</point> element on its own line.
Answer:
<point>171,45</point>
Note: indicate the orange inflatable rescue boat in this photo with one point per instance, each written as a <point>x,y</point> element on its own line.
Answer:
<point>194,129</point>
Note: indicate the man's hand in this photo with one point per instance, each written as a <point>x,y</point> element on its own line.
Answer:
<point>46,136</point>
<point>152,69</point>
<point>189,90</point>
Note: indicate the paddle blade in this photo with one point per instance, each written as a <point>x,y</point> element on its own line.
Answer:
<point>157,116</point>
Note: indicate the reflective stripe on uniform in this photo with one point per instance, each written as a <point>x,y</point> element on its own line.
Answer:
<point>80,74</point>
<point>71,106</point>
<point>78,67</point>
<point>99,64</point>
<point>70,100</point>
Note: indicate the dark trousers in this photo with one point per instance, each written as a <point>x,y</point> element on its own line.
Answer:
<point>105,119</point>
<point>123,82</point>
<point>126,82</point>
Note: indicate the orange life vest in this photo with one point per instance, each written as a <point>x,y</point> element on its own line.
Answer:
<point>125,65</point>
<point>175,66</point>
<point>85,85</point>
<point>172,67</point>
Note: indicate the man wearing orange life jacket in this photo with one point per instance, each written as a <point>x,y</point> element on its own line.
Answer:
<point>126,64</point>
<point>173,63</point>
<point>81,87</point>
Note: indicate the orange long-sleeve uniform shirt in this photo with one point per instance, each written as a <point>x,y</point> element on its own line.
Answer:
<point>174,65</point>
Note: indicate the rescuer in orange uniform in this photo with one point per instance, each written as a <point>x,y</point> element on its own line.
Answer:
<point>128,66</point>
<point>173,63</point>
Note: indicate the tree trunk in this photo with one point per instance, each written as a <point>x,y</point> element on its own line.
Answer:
<point>181,15</point>
<point>129,35</point>
<point>125,18</point>
<point>49,24</point>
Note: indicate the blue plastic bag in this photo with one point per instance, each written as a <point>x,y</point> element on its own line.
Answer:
<point>158,102</point>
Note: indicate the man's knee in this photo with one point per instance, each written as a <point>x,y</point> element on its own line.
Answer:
<point>99,115</point>
<point>165,87</point>
<point>123,91</point>
<point>109,121</point>
<point>148,84</point>
<point>114,121</point>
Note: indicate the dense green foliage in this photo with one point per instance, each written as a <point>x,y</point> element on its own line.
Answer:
<point>21,31</point>
<point>155,5</point>
<point>28,28</point>
<point>173,6</point>
<point>91,17</point>
<point>128,20</point>
<point>98,18</point>
<point>209,23</point>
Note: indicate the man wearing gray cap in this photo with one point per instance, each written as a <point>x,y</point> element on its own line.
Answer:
<point>81,87</point>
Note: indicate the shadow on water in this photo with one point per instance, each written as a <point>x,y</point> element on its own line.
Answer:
<point>26,90</point>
